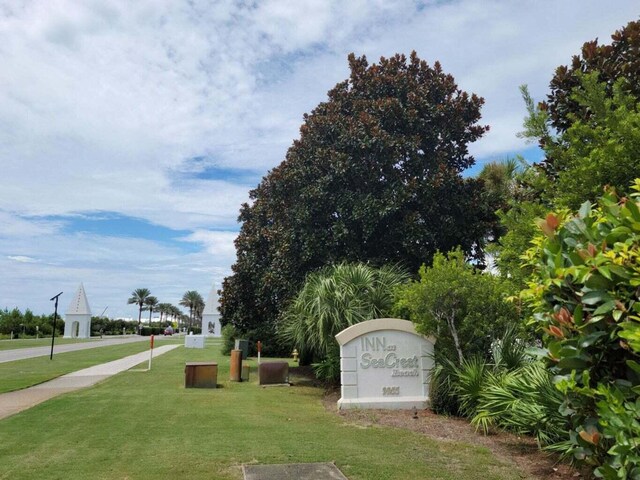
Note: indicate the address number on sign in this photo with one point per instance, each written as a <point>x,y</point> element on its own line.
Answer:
<point>390,391</point>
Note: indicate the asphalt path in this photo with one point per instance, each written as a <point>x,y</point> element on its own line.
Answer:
<point>22,353</point>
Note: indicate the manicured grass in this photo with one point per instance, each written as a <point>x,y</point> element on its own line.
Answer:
<point>42,342</point>
<point>146,425</point>
<point>32,371</point>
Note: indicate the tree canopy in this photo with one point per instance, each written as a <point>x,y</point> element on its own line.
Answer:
<point>612,62</point>
<point>375,176</point>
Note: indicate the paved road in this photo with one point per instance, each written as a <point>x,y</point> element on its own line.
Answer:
<point>22,353</point>
<point>14,402</point>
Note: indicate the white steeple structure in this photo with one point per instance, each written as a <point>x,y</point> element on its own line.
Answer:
<point>77,321</point>
<point>210,317</point>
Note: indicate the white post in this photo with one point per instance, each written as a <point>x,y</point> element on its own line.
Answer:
<point>151,352</point>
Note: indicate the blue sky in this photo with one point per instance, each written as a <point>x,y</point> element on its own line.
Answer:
<point>131,132</point>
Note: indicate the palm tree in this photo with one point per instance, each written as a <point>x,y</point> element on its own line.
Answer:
<point>192,300</point>
<point>164,309</point>
<point>151,303</point>
<point>500,177</point>
<point>176,313</point>
<point>183,319</point>
<point>335,298</point>
<point>138,297</point>
<point>198,309</point>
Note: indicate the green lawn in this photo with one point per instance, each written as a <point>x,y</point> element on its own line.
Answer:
<point>146,425</point>
<point>31,371</point>
<point>42,342</point>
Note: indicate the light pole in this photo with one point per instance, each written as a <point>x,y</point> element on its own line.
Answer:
<point>55,317</point>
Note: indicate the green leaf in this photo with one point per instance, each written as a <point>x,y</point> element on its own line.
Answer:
<point>577,315</point>
<point>619,271</point>
<point>605,307</point>
<point>591,338</point>
<point>554,348</point>
<point>594,297</point>
<point>537,352</point>
<point>605,272</point>
<point>633,365</point>
<point>585,210</point>
<point>573,363</point>
<point>565,410</point>
<point>597,282</point>
<point>634,210</point>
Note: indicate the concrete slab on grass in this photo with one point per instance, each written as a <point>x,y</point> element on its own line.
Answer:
<point>293,471</point>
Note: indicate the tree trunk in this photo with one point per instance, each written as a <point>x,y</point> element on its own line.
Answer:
<point>454,334</point>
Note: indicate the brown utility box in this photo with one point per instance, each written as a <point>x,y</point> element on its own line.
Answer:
<point>201,375</point>
<point>273,373</point>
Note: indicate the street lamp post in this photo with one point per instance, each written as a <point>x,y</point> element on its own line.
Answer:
<point>55,317</point>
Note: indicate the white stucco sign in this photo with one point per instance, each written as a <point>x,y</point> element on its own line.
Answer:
<point>385,363</point>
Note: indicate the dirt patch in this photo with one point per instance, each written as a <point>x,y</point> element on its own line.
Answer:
<point>522,452</point>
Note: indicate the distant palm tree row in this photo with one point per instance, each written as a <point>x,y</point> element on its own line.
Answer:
<point>194,302</point>
<point>145,301</point>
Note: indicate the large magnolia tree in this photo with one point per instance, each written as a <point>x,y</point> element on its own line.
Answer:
<point>611,61</point>
<point>375,176</point>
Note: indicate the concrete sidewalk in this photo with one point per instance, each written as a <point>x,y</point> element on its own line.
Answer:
<point>14,402</point>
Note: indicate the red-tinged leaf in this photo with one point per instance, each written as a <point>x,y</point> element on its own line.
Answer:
<point>589,437</point>
<point>555,331</point>
<point>546,229</point>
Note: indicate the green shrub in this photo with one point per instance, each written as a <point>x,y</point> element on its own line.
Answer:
<point>458,389</point>
<point>229,335</point>
<point>328,369</point>
<point>443,398</point>
<point>147,331</point>
<point>523,400</point>
<point>585,293</point>
<point>462,307</point>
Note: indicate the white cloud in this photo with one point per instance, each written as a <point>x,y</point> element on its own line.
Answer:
<point>12,225</point>
<point>216,243</point>
<point>102,104</point>
<point>109,267</point>
<point>21,258</point>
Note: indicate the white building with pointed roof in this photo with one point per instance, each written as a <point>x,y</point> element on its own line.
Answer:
<point>77,321</point>
<point>210,317</point>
